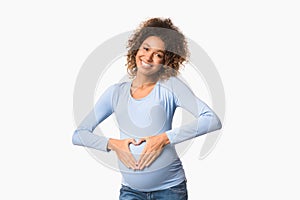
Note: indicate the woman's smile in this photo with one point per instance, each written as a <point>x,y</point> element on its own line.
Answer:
<point>146,65</point>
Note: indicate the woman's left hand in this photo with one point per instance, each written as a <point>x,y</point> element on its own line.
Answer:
<point>153,148</point>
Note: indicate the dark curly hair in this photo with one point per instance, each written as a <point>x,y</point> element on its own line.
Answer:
<point>176,48</point>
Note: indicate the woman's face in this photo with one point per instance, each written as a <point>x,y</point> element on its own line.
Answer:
<point>150,56</point>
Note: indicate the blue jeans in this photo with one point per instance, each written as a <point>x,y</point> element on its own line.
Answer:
<point>178,192</point>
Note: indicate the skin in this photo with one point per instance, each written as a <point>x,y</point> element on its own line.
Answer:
<point>149,60</point>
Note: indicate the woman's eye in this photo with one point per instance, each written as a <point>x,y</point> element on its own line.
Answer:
<point>159,55</point>
<point>145,48</point>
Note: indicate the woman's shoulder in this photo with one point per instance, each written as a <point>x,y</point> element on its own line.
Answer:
<point>119,85</point>
<point>174,82</point>
<point>177,87</point>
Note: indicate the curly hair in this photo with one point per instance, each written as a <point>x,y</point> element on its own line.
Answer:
<point>176,48</point>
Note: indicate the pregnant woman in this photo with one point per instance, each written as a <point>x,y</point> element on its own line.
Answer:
<point>144,109</point>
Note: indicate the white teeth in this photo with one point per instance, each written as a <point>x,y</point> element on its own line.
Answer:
<point>145,64</point>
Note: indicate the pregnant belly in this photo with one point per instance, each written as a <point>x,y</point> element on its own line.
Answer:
<point>154,175</point>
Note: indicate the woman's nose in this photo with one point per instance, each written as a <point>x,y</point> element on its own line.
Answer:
<point>149,56</point>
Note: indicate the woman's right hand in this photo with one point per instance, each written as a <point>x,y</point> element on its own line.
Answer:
<point>121,147</point>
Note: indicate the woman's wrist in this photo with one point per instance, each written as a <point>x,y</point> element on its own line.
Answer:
<point>110,144</point>
<point>165,139</point>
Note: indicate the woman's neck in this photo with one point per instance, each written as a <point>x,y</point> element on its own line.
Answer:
<point>140,81</point>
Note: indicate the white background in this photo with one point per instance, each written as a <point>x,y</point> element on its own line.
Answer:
<point>254,45</point>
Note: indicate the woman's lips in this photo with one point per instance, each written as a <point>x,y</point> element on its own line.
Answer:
<point>146,65</point>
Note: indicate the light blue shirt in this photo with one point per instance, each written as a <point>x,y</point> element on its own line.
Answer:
<point>144,117</point>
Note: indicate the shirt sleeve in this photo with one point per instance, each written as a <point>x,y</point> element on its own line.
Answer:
<point>205,119</point>
<point>83,135</point>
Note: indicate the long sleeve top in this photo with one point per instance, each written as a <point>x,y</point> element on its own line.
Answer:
<point>149,116</point>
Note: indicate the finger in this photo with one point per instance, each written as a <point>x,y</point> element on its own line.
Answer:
<point>130,159</point>
<point>147,146</point>
<point>141,163</point>
<point>150,159</point>
<point>143,156</point>
<point>131,141</point>
<point>140,141</point>
<point>147,159</point>
<point>128,162</point>
<point>124,160</point>
<point>127,158</point>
